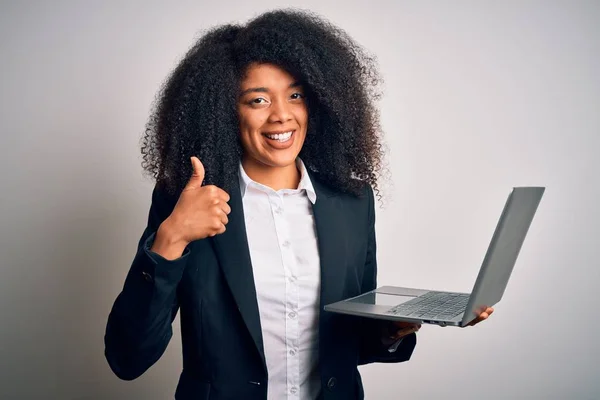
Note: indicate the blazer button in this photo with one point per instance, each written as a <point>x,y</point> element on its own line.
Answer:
<point>331,383</point>
<point>147,276</point>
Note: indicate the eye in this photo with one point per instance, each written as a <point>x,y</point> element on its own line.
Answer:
<point>297,96</point>
<point>258,100</point>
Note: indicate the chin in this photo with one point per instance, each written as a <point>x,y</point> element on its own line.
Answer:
<point>279,158</point>
<point>280,161</point>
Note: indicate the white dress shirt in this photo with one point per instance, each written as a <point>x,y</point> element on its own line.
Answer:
<point>285,260</point>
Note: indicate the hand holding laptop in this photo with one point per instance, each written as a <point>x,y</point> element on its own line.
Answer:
<point>399,329</point>
<point>483,315</point>
<point>402,328</point>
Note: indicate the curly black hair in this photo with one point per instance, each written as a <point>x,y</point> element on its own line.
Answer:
<point>195,112</point>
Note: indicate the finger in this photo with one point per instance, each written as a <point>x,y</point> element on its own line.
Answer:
<point>223,195</point>
<point>197,174</point>
<point>223,216</point>
<point>489,311</point>
<point>404,332</point>
<point>225,207</point>
<point>218,231</point>
<point>221,204</point>
<point>408,331</point>
<point>217,211</point>
<point>482,317</point>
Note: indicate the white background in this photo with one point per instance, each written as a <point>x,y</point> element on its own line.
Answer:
<point>479,97</point>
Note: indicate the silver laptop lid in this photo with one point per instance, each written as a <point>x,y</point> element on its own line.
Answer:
<point>504,248</point>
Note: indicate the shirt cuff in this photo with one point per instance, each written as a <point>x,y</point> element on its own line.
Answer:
<point>157,258</point>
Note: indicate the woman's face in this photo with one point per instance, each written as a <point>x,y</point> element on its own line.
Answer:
<point>273,116</point>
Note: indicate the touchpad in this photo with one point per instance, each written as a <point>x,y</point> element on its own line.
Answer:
<point>381,299</point>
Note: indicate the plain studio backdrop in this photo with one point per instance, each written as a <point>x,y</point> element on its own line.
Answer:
<point>479,97</point>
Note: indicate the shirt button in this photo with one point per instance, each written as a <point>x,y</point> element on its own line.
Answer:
<point>292,315</point>
<point>292,352</point>
<point>293,390</point>
<point>286,243</point>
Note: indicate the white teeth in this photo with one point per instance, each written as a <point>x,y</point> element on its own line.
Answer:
<point>281,137</point>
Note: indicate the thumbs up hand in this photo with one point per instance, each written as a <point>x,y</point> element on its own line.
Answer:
<point>200,212</point>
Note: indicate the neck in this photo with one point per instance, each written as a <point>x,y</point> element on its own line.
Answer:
<point>276,178</point>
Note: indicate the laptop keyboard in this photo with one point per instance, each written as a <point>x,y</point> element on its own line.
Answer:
<point>432,305</point>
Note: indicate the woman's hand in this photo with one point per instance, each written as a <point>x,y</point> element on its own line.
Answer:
<point>400,329</point>
<point>201,211</point>
<point>484,313</point>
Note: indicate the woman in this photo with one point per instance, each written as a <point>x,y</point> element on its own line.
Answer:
<point>265,146</point>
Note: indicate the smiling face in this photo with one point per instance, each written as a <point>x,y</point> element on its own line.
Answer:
<point>273,118</point>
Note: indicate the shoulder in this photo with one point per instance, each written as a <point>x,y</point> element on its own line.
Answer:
<point>163,201</point>
<point>360,207</point>
<point>363,193</point>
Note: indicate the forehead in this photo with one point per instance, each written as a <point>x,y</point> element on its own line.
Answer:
<point>268,76</point>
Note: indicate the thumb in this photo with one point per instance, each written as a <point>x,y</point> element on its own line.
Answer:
<point>198,173</point>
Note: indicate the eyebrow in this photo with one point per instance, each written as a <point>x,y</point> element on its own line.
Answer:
<point>266,90</point>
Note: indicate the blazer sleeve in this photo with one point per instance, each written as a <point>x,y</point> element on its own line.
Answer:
<point>372,348</point>
<point>139,325</point>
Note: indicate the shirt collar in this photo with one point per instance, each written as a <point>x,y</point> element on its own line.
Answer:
<point>305,182</point>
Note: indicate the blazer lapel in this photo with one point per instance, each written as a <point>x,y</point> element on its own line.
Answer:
<point>234,257</point>
<point>330,224</point>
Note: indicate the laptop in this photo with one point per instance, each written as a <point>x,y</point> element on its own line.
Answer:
<point>450,308</point>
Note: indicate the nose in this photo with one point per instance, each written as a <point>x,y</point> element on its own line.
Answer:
<point>280,111</point>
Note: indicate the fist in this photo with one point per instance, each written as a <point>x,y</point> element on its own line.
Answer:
<point>201,211</point>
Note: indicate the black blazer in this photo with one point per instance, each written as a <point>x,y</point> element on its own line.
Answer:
<point>213,287</point>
